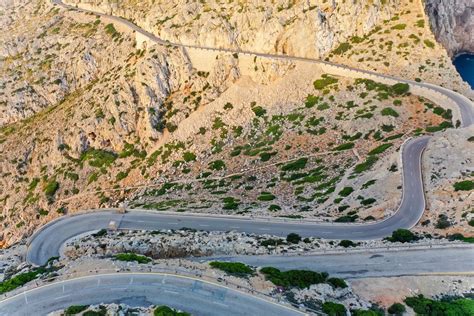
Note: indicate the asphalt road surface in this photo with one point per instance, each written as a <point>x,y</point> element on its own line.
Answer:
<point>376,263</point>
<point>135,289</point>
<point>47,242</point>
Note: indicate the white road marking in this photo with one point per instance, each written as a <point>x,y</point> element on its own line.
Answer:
<point>60,297</point>
<point>131,281</point>
<point>172,223</point>
<point>26,299</point>
<point>172,292</point>
<point>221,304</point>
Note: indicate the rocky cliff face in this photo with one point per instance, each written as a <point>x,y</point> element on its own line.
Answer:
<point>452,22</point>
<point>310,28</point>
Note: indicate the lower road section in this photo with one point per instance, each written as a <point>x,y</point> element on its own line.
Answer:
<point>373,263</point>
<point>135,289</point>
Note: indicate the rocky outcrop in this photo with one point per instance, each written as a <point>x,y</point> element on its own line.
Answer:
<point>301,28</point>
<point>452,22</point>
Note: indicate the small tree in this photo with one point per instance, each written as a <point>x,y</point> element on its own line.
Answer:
<point>334,309</point>
<point>293,238</point>
<point>397,309</point>
<point>402,235</point>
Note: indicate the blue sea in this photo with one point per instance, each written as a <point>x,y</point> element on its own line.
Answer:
<point>465,65</point>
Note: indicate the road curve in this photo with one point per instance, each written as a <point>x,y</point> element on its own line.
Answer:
<point>47,241</point>
<point>141,289</point>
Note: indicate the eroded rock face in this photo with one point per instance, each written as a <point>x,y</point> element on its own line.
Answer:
<point>302,28</point>
<point>452,22</point>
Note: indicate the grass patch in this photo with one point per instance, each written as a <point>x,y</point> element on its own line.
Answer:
<point>466,185</point>
<point>293,278</point>
<point>132,257</point>
<point>324,82</point>
<point>232,268</point>
<point>380,149</point>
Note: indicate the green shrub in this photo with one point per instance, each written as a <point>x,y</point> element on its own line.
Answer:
<point>346,219</point>
<point>334,309</point>
<point>293,278</point>
<point>75,309</point>
<point>399,27</point>
<point>380,149</point>
<point>402,235</point>
<point>293,238</point>
<point>50,188</point>
<point>346,191</point>
<point>429,43</point>
<point>389,112</point>
<point>364,166</point>
<point>233,268</point>
<point>466,185</point>
<point>461,238</point>
<point>347,243</point>
<point>98,158</point>
<point>342,48</point>
<point>259,111</point>
<point>274,207</point>
<point>425,306</point>
<point>443,222</point>
<point>311,101</point>
<point>230,203</point>
<point>266,196</point>
<point>368,201</point>
<point>189,156</point>
<point>168,311</point>
<point>324,82</point>
<point>295,165</point>
<point>345,146</point>
<point>272,242</point>
<point>217,165</point>
<point>365,312</point>
<point>337,283</point>
<point>397,309</point>
<point>132,257</point>
<point>22,278</point>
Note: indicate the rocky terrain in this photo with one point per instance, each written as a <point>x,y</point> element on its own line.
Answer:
<point>168,244</point>
<point>108,309</point>
<point>145,125</point>
<point>448,160</point>
<point>453,24</point>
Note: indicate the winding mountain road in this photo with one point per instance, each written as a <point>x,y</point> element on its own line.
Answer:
<point>141,289</point>
<point>203,298</point>
<point>48,240</point>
